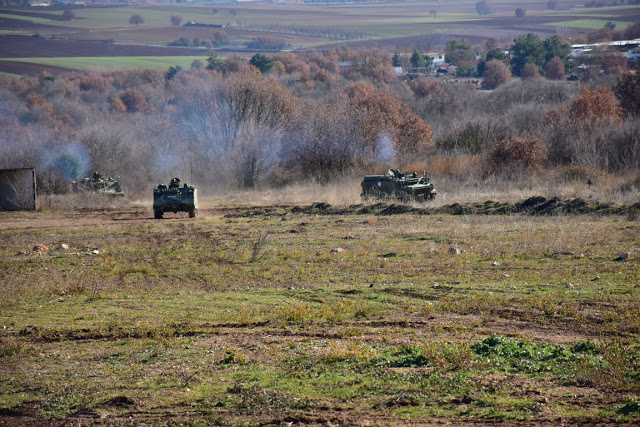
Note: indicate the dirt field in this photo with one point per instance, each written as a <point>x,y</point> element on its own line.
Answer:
<point>312,314</point>
<point>381,25</point>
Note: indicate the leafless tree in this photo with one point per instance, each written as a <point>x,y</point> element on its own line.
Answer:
<point>554,69</point>
<point>21,191</point>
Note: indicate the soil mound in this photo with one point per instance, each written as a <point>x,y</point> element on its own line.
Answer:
<point>532,206</point>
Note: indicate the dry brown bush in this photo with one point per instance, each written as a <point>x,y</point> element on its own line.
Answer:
<point>278,68</point>
<point>495,74</point>
<point>516,154</point>
<point>134,101</point>
<point>425,87</point>
<point>36,100</point>
<point>530,72</point>
<point>116,105</point>
<point>94,81</point>
<point>327,77</point>
<point>325,61</point>
<point>593,105</point>
<point>238,65</point>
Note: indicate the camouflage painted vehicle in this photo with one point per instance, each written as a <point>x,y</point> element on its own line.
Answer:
<point>396,185</point>
<point>175,198</point>
<point>98,184</point>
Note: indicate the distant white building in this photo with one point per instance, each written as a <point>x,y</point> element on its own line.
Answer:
<point>437,59</point>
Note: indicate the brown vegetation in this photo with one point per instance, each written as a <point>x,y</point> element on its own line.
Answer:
<point>554,69</point>
<point>495,74</point>
<point>516,154</point>
<point>307,118</point>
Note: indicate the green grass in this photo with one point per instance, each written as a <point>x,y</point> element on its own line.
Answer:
<point>591,24</point>
<point>28,18</point>
<point>112,63</point>
<point>119,17</point>
<point>178,317</point>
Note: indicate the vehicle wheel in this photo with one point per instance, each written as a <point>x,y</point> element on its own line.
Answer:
<point>157,213</point>
<point>192,213</point>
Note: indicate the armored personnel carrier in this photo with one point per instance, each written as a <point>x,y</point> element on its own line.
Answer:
<point>175,198</point>
<point>98,184</point>
<point>396,185</point>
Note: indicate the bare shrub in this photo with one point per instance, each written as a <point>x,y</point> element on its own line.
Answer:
<point>554,69</point>
<point>106,147</point>
<point>627,91</point>
<point>256,151</point>
<point>258,247</point>
<point>611,60</point>
<point>544,94</point>
<point>474,136</point>
<point>610,145</point>
<point>324,144</point>
<point>229,119</point>
<point>621,146</point>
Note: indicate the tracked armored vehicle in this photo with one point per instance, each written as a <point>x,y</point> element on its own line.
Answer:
<point>396,185</point>
<point>98,184</point>
<point>175,198</point>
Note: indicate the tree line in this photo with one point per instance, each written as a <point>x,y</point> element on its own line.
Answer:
<point>276,119</point>
<point>528,57</point>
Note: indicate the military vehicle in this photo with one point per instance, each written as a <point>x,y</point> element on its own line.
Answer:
<point>396,185</point>
<point>175,198</point>
<point>98,184</point>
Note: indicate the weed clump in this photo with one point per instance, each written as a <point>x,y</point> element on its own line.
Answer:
<point>522,356</point>
<point>631,406</point>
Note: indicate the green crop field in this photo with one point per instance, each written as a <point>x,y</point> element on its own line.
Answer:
<point>26,18</point>
<point>113,62</point>
<point>390,26</point>
<point>592,24</point>
<point>272,315</point>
